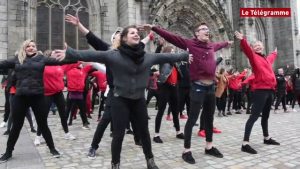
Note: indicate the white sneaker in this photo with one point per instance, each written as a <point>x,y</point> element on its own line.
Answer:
<point>37,140</point>
<point>69,136</point>
<point>3,124</point>
<point>294,110</point>
<point>86,127</point>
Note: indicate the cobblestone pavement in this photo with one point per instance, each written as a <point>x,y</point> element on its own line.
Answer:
<point>284,127</point>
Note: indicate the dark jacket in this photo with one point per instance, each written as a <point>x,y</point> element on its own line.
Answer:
<point>296,80</point>
<point>281,84</point>
<point>99,44</point>
<point>29,75</point>
<point>130,79</point>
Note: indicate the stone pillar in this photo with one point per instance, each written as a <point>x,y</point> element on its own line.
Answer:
<point>3,29</point>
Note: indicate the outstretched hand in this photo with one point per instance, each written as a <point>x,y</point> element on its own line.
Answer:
<point>147,27</point>
<point>238,35</point>
<point>59,54</point>
<point>74,20</point>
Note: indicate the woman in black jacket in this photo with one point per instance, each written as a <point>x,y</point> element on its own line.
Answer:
<point>130,67</point>
<point>29,67</point>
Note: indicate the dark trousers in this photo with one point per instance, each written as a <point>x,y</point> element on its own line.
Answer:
<point>59,101</point>
<point>151,93</point>
<point>184,99</point>
<point>6,106</point>
<point>20,105</point>
<point>230,98</point>
<point>262,102</point>
<point>237,100</point>
<point>103,123</point>
<point>201,96</point>
<point>296,96</point>
<point>280,97</point>
<point>167,94</point>
<point>102,102</point>
<point>221,102</point>
<point>249,100</point>
<point>82,109</point>
<point>28,116</point>
<point>122,110</point>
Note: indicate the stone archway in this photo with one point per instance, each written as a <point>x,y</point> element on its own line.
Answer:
<point>181,16</point>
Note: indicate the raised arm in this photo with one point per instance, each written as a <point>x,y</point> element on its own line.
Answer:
<point>245,46</point>
<point>82,55</point>
<point>272,57</point>
<point>160,58</point>
<point>220,45</point>
<point>74,20</point>
<point>92,39</point>
<point>168,36</point>
<point>7,64</point>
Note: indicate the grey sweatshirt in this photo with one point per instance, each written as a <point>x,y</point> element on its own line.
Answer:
<point>130,79</point>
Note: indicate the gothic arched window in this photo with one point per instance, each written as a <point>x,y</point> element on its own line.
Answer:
<point>51,29</point>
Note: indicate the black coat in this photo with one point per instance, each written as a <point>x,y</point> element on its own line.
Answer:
<point>29,75</point>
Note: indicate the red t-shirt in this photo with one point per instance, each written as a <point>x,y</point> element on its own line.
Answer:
<point>172,79</point>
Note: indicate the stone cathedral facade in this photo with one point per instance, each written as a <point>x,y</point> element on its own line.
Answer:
<point>43,21</point>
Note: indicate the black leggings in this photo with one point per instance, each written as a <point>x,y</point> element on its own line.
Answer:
<point>20,105</point>
<point>200,96</point>
<point>280,97</point>
<point>262,102</point>
<point>296,96</point>
<point>122,110</point>
<point>221,102</point>
<point>167,94</point>
<point>105,120</point>
<point>184,99</point>
<point>151,93</point>
<point>6,106</point>
<point>71,103</point>
<point>59,101</point>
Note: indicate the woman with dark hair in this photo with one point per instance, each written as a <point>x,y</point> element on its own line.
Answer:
<point>29,68</point>
<point>130,67</point>
<point>296,87</point>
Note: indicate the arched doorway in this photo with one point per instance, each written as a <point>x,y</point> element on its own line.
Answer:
<point>181,16</point>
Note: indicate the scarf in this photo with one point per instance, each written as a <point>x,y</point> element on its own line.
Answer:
<point>135,53</point>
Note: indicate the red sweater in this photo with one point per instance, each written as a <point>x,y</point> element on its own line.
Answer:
<point>235,82</point>
<point>76,78</point>
<point>101,80</point>
<point>54,78</point>
<point>249,81</point>
<point>261,67</point>
<point>203,66</point>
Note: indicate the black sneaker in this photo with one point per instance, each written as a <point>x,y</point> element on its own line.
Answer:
<point>129,131</point>
<point>224,114</point>
<point>92,153</point>
<point>248,112</point>
<point>248,149</point>
<point>237,112</point>
<point>6,133</point>
<point>33,130</point>
<point>138,143</point>
<point>151,164</point>
<point>5,157</point>
<point>229,113</point>
<point>180,136</point>
<point>187,157</point>
<point>115,166</point>
<point>55,153</point>
<point>271,142</point>
<point>214,152</point>
<point>157,139</point>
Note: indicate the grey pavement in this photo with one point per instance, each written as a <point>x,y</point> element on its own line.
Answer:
<point>284,127</point>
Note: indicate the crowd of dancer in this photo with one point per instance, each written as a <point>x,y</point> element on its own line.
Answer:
<point>182,73</point>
